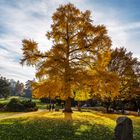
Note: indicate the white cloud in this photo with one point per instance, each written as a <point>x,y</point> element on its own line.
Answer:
<point>10,67</point>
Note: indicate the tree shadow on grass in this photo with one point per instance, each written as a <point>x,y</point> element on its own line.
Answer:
<point>54,129</point>
<point>67,116</point>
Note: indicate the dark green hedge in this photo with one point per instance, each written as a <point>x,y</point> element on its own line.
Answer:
<point>16,105</point>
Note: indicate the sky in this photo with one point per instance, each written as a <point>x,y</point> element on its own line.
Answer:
<point>31,19</point>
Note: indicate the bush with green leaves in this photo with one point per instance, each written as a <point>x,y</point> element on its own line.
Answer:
<point>16,105</point>
<point>2,106</point>
<point>29,105</point>
<point>44,100</point>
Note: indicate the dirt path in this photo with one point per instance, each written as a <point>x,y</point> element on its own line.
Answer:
<point>15,114</point>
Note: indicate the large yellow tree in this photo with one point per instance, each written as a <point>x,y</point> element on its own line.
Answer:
<point>78,44</point>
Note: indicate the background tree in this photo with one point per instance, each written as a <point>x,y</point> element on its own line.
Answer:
<point>135,86</point>
<point>28,89</point>
<point>77,46</point>
<point>19,88</point>
<point>12,87</point>
<point>105,86</point>
<point>4,87</point>
<point>128,70</point>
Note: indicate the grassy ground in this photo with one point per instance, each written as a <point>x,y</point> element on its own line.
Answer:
<point>43,125</point>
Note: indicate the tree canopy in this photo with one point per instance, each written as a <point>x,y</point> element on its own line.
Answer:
<point>128,69</point>
<point>4,88</point>
<point>78,47</point>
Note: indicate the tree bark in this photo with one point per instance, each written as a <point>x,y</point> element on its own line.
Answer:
<point>67,75</point>
<point>123,108</point>
<point>79,105</point>
<point>107,109</point>
<point>114,105</point>
<point>68,105</point>
<point>107,106</point>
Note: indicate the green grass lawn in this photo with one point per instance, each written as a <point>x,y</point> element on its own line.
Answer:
<point>43,125</point>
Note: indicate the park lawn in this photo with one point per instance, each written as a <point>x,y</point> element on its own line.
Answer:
<point>43,125</point>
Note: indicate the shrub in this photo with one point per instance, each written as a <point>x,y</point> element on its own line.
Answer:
<point>131,106</point>
<point>2,106</point>
<point>31,109</point>
<point>28,104</point>
<point>15,105</point>
<point>44,100</point>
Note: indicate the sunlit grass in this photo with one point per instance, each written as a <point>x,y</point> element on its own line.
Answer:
<point>44,125</point>
<point>6,114</point>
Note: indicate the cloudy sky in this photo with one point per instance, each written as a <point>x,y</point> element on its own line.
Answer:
<point>21,19</point>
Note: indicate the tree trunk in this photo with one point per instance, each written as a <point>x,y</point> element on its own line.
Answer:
<point>123,107</point>
<point>79,106</point>
<point>68,105</point>
<point>114,105</point>
<point>107,108</point>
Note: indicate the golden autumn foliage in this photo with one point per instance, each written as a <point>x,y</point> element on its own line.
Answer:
<point>106,85</point>
<point>82,94</point>
<point>79,46</point>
